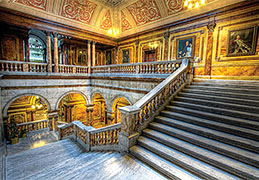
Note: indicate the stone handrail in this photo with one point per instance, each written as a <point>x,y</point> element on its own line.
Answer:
<point>20,66</point>
<point>33,126</point>
<point>72,69</point>
<point>137,117</point>
<point>106,138</point>
<point>157,67</point>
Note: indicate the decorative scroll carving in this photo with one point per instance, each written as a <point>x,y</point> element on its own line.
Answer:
<point>79,10</point>
<point>107,22</point>
<point>173,6</point>
<point>144,11</point>
<point>125,24</point>
<point>40,4</point>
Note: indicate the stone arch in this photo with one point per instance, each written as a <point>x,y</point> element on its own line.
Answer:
<point>5,109</point>
<point>69,92</point>
<point>121,96</point>
<point>118,101</point>
<point>100,92</point>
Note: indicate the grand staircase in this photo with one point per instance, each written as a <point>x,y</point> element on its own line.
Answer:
<point>209,131</point>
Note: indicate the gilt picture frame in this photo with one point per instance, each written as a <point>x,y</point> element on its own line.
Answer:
<point>185,47</point>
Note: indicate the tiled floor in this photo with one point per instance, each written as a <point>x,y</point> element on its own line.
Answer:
<point>33,140</point>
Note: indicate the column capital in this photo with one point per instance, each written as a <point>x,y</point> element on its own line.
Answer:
<point>94,42</point>
<point>89,41</point>
<point>55,35</point>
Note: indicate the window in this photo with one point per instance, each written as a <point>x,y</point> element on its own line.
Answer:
<point>37,49</point>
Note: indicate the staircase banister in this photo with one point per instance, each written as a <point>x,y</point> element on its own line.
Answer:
<point>148,97</point>
<point>33,122</point>
<point>107,128</point>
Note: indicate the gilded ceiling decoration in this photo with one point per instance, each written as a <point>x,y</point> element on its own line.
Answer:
<point>40,4</point>
<point>107,22</point>
<point>144,11</point>
<point>113,2</point>
<point>125,24</point>
<point>173,6</point>
<point>79,10</point>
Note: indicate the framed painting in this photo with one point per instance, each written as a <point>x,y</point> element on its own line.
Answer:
<point>185,47</point>
<point>126,56</point>
<point>242,42</point>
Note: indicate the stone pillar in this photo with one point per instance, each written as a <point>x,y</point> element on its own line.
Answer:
<point>108,115</point>
<point>93,53</point>
<point>89,56</point>
<point>53,118</point>
<point>89,114</point>
<point>70,113</point>
<point>48,53</point>
<point>166,37</point>
<point>128,135</point>
<point>55,54</point>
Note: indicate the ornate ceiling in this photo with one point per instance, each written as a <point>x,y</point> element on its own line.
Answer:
<point>130,16</point>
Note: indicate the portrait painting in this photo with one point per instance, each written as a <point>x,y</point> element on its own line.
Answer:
<point>185,47</point>
<point>242,42</point>
<point>126,56</point>
<point>108,57</point>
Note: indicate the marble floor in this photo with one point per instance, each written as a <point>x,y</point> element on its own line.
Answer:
<point>34,139</point>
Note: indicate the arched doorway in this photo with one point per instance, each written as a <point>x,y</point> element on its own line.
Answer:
<point>72,108</point>
<point>119,102</point>
<point>28,109</point>
<point>99,111</point>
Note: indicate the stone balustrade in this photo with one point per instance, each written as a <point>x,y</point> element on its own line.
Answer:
<point>33,126</point>
<point>158,67</point>
<point>17,66</point>
<point>72,69</point>
<point>106,138</point>
<point>137,117</point>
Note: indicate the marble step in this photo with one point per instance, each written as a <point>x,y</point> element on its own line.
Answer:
<point>35,159</point>
<point>252,103</point>
<point>225,105</point>
<point>230,83</point>
<point>215,117</point>
<point>233,152</point>
<point>165,167</point>
<point>223,89</point>
<point>193,165</point>
<point>235,130</point>
<point>231,94</point>
<point>233,140</point>
<point>217,110</point>
<point>226,164</point>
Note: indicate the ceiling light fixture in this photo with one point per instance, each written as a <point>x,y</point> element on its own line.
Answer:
<point>113,31</point>
<point>194,3</point>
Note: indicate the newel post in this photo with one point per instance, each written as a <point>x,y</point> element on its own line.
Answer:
<point>128,136</point>
<point>53,118</point>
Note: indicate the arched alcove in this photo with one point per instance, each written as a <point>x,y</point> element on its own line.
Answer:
<point>99,110</point>
<point>118,102</point>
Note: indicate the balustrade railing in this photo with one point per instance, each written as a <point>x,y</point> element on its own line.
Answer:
<point>158,67</point>
<point>33,126</point>
<point>18,66</point>
<point>73,69</point>
<point>137,117</point>
<point>106,138</point>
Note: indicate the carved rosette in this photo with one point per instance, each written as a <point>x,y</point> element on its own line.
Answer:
<point>173,6</point>
<point>125,24</point>
<point>40,4</point>
<point>144,11</point>
<point>79,10</point>
<point>107,22</point>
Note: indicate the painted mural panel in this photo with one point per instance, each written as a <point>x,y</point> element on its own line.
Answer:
<point>40,4</point>
<point>126,56</point>
<point>78,10</point>
<point>173,6</point>
<point>144,11</point>
<point>107,22</point>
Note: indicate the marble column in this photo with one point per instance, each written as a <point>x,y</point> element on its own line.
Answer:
<point>55,54</point>
<point>207,70</point>
<point>93,53</point>
<point>89,56</point>
<point>48,53</point>
<point>89,114</point>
